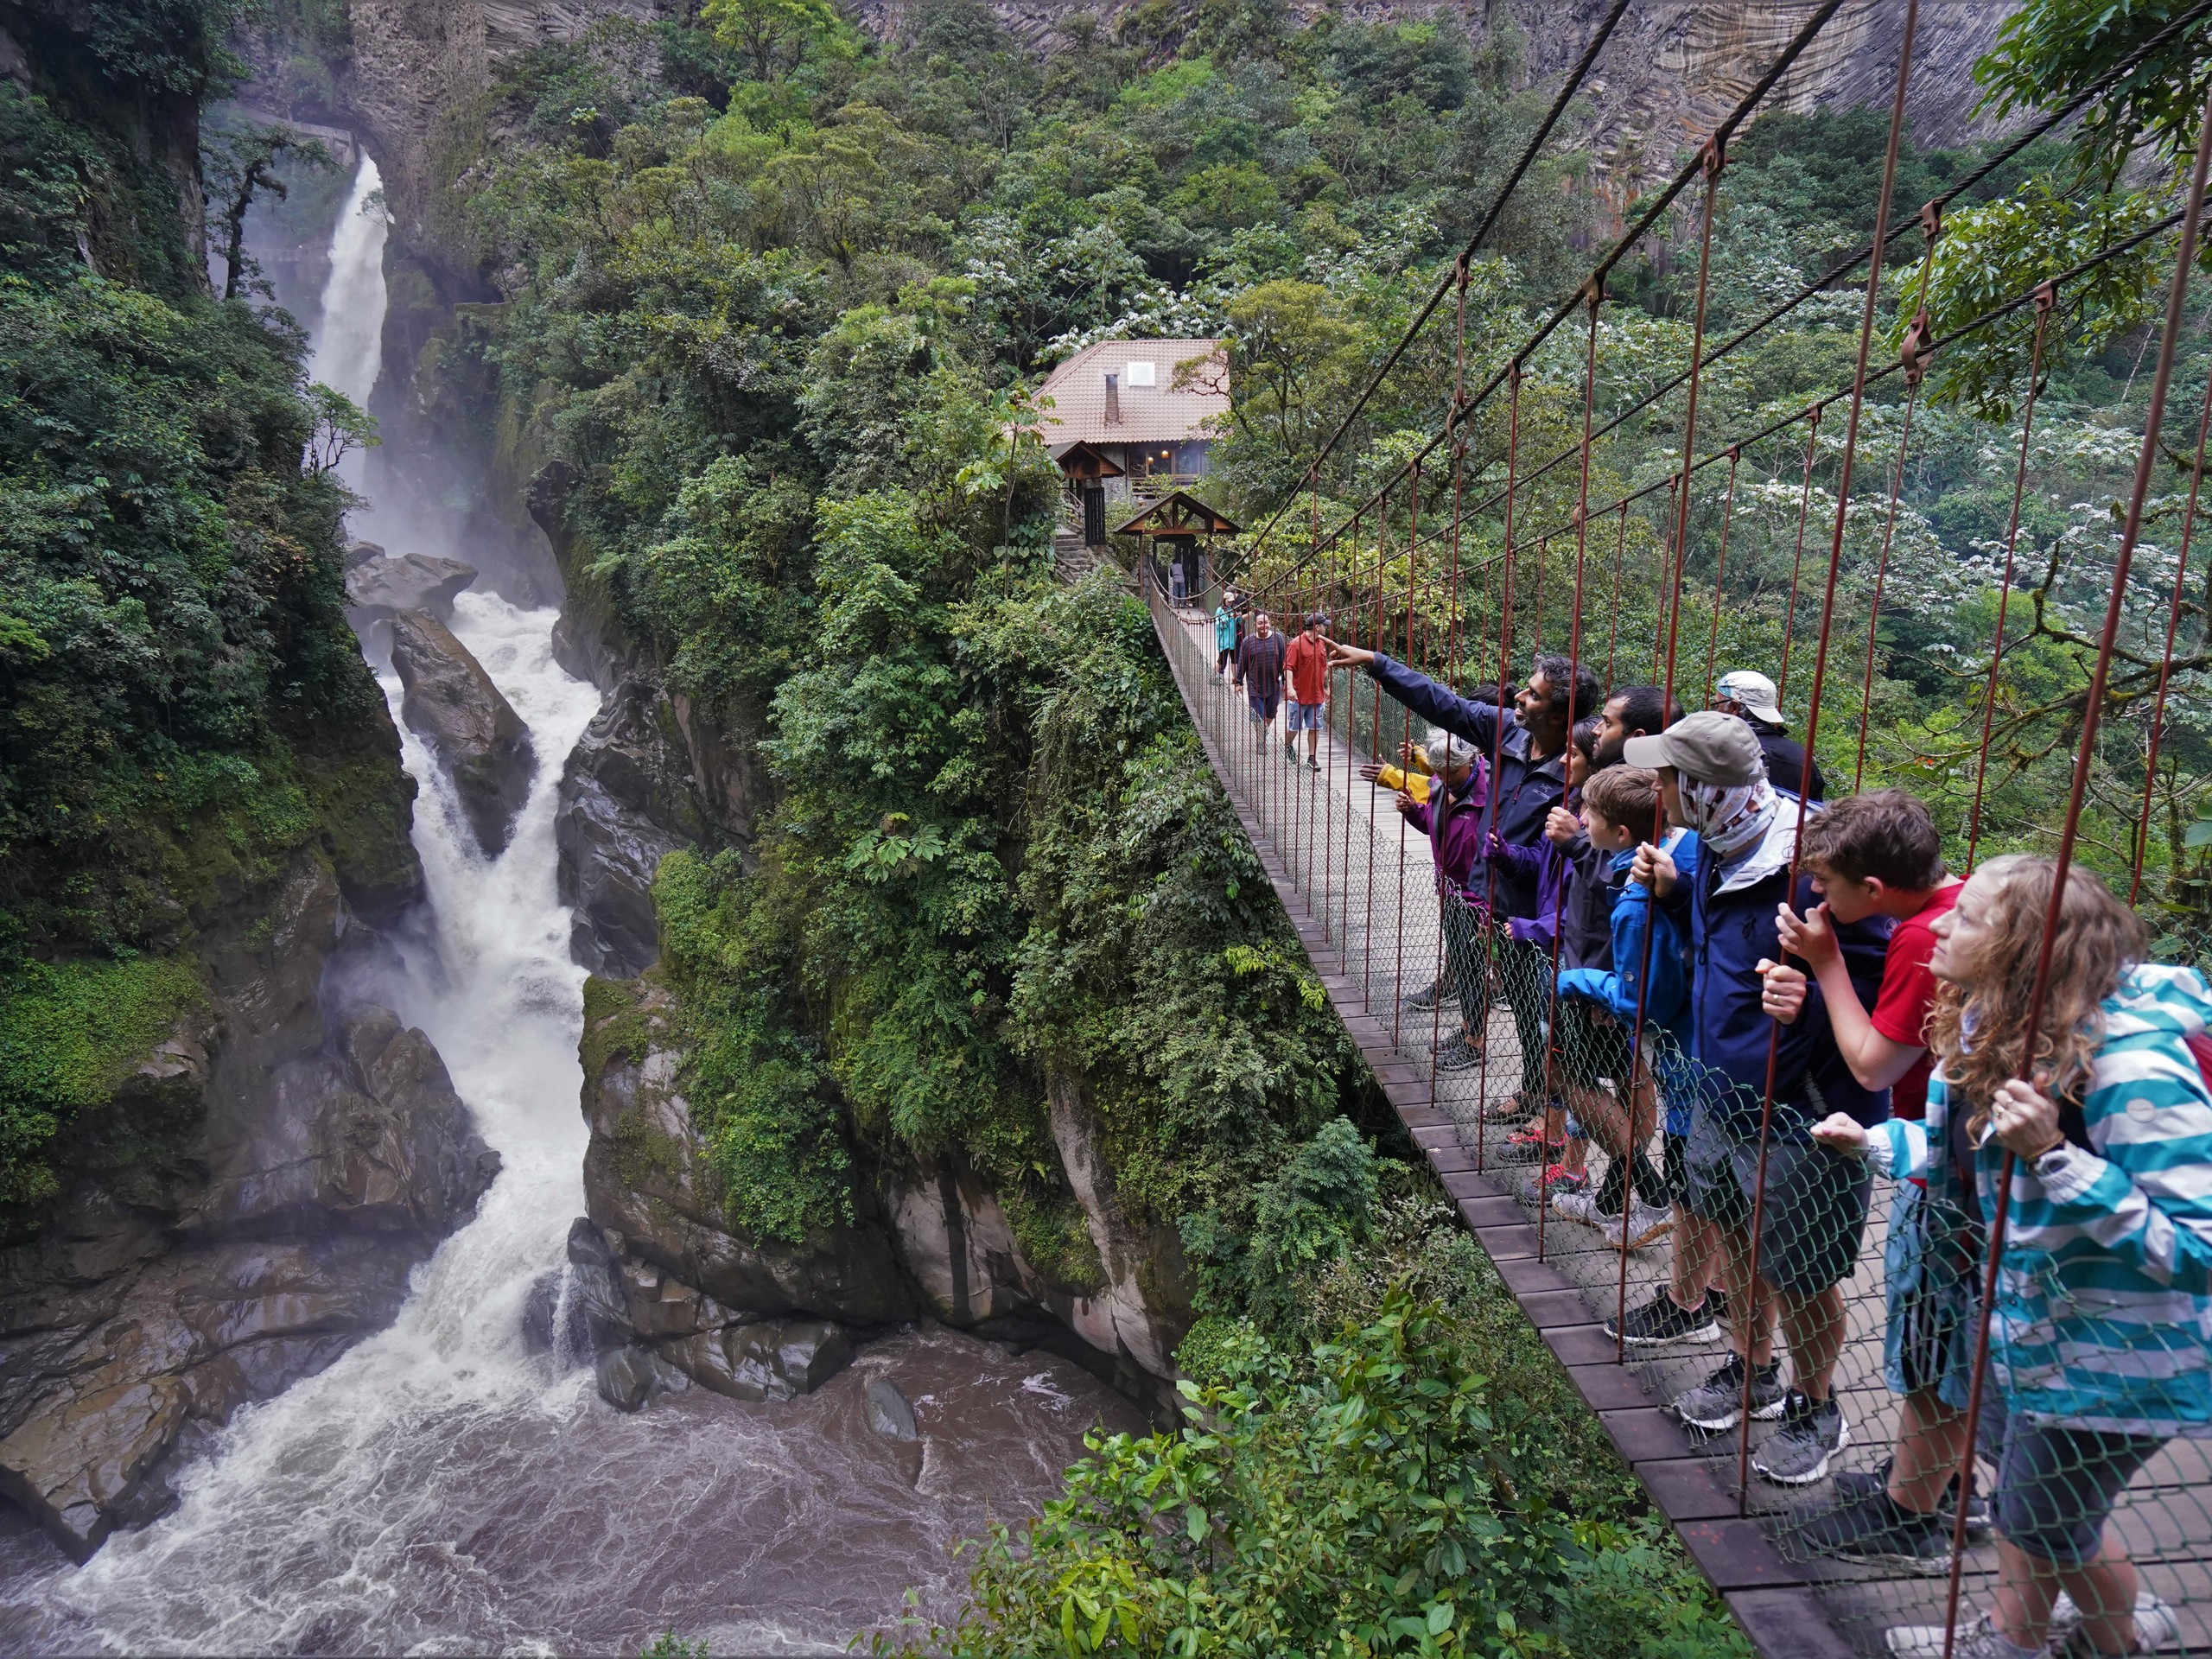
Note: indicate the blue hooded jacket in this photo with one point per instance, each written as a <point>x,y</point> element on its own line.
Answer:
<point>1666,1004</point>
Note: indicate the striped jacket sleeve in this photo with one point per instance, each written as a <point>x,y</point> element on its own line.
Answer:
<point>2144,1196</point>
<point>1898,1147</point>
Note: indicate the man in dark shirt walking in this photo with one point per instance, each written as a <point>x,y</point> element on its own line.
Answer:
<point>1753,699</point>
<point>1259,671</point>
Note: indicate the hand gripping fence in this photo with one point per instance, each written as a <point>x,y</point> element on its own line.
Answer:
<point>1682,1198</point>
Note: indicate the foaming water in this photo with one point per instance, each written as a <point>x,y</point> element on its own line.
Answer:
<point>442,1491</point>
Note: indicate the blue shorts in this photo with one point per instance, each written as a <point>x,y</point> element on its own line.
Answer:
<point>1264,708</point>
<point>1301,716</point>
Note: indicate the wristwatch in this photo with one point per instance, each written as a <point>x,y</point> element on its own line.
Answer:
<point>2052,1162</point>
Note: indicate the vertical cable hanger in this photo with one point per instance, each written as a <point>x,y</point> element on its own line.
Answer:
<point>1720,574</point>
<point>1406,722</point>
<point>1914,355</point>
<point>1488,932</point>
<point>1613,632</point>
<point>1440,797</point>
<point>1596,297</point>
<point>1797,563</point>
<point>1820,673</point>
<point>2166,660</point>
<point>2046,301</point>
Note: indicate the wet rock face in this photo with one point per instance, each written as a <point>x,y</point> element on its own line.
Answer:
<point>325,1155</point>
<point>672,1293</point>
<point>648,1185</point>
<point>478,737</point>
<point>648,1330</point>
<point>626,800</point>
<point>380,585</point>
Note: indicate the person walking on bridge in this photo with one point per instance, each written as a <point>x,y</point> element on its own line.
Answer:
<point>1308,665</point>
<point>1259,672</point>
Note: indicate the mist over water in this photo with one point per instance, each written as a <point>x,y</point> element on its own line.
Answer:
<point>440,1489</point>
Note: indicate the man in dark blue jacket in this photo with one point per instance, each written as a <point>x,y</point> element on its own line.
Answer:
<point>1529,780</point>
<point>1813,1215</point>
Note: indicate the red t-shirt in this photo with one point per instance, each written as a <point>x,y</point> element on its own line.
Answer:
<point>1308,667</point>
<point>1908,992</point>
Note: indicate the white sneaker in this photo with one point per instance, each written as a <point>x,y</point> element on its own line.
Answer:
<point>1646,1225</point>
<point>2155,1626</point>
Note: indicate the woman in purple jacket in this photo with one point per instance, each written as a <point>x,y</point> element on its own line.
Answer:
<point>1452,819</point>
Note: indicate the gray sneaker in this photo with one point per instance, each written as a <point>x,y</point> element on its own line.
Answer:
<point>1797,1454</point>
<point>1717,1403</point>
<point>1457,1054</point>
<point>1421,1001</point>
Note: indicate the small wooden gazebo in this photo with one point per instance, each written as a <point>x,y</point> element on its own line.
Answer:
<point>1183,521</point>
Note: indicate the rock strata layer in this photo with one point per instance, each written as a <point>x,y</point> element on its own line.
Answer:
<point>479,739</point>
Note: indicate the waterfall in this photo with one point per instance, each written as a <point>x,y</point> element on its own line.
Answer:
<point>348,350</point>
<point>440,1490</point>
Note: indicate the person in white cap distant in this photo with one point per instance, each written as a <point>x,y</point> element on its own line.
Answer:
<point>1750,697</point>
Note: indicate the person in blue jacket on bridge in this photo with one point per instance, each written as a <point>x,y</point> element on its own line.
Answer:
<point>1812,1218</point>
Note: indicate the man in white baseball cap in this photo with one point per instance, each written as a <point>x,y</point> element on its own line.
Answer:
<point>1750,697</point>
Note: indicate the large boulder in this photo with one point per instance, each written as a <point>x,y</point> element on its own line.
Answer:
<point>649,1183</point>
<point>648,1330</point>
<point>380,585</point>
<point>383,587</point>
<point>479,739</point>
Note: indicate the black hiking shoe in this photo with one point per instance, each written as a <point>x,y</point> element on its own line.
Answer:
<point>1660,1320</point>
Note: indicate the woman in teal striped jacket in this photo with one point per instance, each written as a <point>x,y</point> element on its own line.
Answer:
<point>2101,1343</point>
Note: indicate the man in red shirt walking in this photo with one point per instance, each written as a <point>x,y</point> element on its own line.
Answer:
<point>1308,666</point>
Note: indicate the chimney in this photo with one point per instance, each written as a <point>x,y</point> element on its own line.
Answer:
<point>1113,400</point>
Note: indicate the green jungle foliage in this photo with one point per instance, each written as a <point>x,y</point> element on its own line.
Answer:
<point>180,702</point>
<point>775,295</point>
<point>69,1036</point>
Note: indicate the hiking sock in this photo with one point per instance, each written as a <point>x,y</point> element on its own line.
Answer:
<point>1613,1189</point>
<point>1650,1185</point>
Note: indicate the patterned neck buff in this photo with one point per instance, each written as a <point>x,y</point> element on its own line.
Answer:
<point>1728,819</point>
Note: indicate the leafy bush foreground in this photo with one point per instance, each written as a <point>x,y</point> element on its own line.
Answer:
<point>1425,1483</point>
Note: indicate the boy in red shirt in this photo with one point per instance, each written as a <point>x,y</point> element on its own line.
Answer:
<point>1307,667</point>
<point>1879,854</point>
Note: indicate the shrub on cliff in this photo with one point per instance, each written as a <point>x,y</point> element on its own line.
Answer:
<point>1373,1502</point>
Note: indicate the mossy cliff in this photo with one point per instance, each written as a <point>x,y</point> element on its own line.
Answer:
<point>219,1159</point>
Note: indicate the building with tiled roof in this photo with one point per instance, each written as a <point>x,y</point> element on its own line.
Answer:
<point>1122,399</point>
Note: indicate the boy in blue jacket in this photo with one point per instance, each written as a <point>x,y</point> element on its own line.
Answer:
<point>1813,1220</point>
<point>1598,1007</point>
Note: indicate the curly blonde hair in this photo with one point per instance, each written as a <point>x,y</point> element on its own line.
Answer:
<point>2099,939</point>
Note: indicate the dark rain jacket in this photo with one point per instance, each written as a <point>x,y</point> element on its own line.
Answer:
<point>1522,795</point>
<point>1729,931</point>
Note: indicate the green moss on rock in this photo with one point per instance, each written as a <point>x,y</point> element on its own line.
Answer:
<point>70,1035</point>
